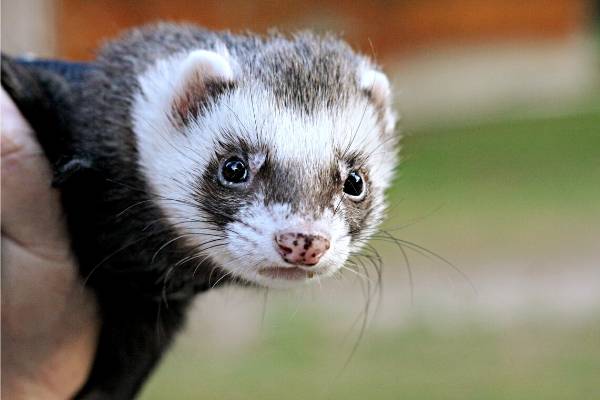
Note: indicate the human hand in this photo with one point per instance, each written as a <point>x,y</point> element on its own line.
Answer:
<point>49,320</point>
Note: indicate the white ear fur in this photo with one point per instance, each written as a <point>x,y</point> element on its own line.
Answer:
<point>195,81</point>
<point>206,65</point>
<point>377,84</point>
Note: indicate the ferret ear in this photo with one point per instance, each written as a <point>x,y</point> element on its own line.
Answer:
<point>203,76</point>
<point>376,85</point>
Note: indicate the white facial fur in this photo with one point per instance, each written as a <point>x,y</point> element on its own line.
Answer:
<point>172,160</point>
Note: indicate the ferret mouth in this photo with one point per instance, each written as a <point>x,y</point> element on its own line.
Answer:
<point>286,273</point>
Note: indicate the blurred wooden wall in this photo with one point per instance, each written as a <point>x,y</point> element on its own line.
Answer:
<point>393,27</point>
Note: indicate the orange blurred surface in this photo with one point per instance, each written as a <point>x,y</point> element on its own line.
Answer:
<point>393,27</point>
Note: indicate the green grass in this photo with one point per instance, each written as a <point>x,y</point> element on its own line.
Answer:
<point>505,166</point>
<point>301,361</point>
<point>514,182</point>
<point>499,184</point>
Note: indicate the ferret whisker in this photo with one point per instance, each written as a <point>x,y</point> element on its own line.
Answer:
<point>385,142</point>
<point>177,221</point>
<point>221,278</point>
<point>364,321</point>
<point>377,261</point>
<point>168,243</point>
<point>199,250</point>
<point>144,191</point>
<point>120,249</point>
<point>416,220</point>
<point>164,286</point>
<point>237,118</point>
<point>319,282</point>
<point>409,273</point>
<point>345,152</point>
<point>367,139</point>
<point>212,246</point>
<point>120,214</point>
<point>363,276</point>
<point>207,256</point>
<point>195,255</point>
<point>264,306</point>
<point>343,196</point>
<point>200,246</point>
<point>425,251</point>
<point>210,274</point>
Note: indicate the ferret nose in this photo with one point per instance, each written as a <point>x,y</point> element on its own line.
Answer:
<point>300,248</point>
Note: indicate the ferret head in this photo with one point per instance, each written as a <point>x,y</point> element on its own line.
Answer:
<point>272,157</point>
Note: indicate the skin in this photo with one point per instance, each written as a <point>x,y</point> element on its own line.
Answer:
<point>49,320</point>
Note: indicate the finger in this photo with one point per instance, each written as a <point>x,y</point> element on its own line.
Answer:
<point>31,211</point>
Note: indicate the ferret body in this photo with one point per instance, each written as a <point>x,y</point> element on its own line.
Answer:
<point>187,159</point>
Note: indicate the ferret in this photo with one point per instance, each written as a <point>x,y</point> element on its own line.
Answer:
<point>187,159</point>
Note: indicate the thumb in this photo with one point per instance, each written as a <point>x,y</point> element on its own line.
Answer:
<point>31,210</point>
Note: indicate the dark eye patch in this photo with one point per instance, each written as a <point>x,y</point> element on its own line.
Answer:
<point>220,202</point>
<point>357,199</point>
<point>227,184</point>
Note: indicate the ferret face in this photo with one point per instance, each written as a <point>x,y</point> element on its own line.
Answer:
<point>274,186</point>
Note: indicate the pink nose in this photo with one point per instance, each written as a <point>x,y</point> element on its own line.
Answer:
<point>300,248</point>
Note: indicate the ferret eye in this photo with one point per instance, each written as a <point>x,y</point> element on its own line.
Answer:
<point>234,171</point>
<point>354,186</point>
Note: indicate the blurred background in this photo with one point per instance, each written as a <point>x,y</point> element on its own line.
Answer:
<point>495,291</point>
